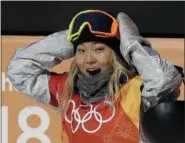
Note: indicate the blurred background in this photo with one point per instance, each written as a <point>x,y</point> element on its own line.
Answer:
<point>23,22</point>
<point>154,19</point>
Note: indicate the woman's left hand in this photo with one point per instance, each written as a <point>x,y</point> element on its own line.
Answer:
<point>160,77</point>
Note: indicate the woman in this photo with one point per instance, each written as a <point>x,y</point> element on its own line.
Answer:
<point>100,97</point>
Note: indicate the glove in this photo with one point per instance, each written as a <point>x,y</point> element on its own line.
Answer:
<point>158,74</point>
<point>28,69</point>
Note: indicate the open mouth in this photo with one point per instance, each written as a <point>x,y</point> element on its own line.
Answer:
<point>93,72</point>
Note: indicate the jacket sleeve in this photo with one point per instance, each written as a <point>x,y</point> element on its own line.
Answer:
<point>28,69</point>
<point>161,78</point>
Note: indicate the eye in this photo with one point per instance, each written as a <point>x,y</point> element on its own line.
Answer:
<point>81,50</point>
<point>99,49</point>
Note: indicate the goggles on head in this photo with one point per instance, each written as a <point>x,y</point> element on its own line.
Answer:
<point>99,22</point>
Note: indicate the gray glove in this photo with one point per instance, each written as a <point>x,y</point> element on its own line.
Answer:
<point>27,69</point>
<point>160,77</point>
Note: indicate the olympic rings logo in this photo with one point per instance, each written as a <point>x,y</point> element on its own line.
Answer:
<point>75,115</point>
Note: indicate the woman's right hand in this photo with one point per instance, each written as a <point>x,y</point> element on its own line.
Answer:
<point>28,69</point>
<point>58,43</point>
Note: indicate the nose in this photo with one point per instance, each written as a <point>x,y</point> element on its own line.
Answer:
<point>90,59</point>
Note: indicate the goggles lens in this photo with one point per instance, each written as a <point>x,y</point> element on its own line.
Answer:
<point>99,23</point>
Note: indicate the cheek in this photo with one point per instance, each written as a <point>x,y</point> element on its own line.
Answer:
<point>106,64</point>
<point>105,61</point>
<point>79,62</point>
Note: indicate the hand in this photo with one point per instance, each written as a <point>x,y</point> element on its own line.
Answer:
<point>158,74</point>
<point>126,25</point>
<point>58,43</point>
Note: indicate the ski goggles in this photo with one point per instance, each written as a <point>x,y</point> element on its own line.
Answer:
<point>99,22</point>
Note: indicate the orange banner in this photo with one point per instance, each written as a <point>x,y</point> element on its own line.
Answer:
<point>26,121</point>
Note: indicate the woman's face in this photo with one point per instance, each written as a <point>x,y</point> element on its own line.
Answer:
<point>93,57</point>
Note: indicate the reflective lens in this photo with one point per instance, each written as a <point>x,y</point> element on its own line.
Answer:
<point>100,23</point>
